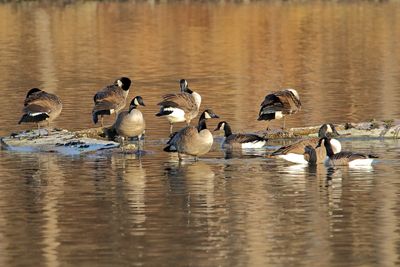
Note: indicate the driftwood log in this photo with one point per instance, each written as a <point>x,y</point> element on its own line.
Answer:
<point>95,139</point>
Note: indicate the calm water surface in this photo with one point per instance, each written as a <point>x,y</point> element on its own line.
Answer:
<point>229,209</point>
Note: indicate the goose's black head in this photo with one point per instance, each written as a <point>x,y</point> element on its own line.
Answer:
<point>327,130</point>
<point>208,114</point>
<point>221,126</point>
<point>184,86</point>
<point>32,91</point>
<point>136,101</point>
<point>124,83</point>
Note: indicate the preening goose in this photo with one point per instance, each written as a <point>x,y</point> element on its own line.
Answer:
<point>295,152</point>
<point>40,107</point>
<point>241,140</point>
<point>279,104</point>
<point>131,123</point>
<point>110,99</point>
<point>179,107</point>
<point>193,141</point>
<point>344,158</point>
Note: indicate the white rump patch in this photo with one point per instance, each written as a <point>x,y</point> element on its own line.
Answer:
<point>177,115</point>
<point>38,114</point>
<point>278,115</point>
<point>112,111</point>
<point>361,162</point>
<point>295,158</point>
<point>256,144</point>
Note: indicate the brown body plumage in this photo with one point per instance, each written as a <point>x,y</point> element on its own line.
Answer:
<point>40,107</point>
<point>179,107</point>
<point>279,104</point>
<point>193,141</point>
<point>110,99</point>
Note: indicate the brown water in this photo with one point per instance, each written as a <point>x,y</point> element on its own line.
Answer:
<point>227,209</point>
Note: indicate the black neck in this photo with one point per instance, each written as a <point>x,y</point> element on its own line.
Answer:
<point>328,146</point>
<point>132,108</point>
<point>227,129</point>
<point>202,125</point>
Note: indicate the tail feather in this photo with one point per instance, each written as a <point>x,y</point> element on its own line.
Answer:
<point>164,113</point>
<point>266,117</point>
<point>97,113</point>
<point>373,156</point>
<point>170,148</point>
<point>33,118</point>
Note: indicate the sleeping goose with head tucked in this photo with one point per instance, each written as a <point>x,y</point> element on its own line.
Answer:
<point>279,104</point>
<point>40,107</point>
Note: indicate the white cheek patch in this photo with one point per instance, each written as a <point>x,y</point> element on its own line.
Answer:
<point>207,116</point>
<point>278,115</point>
<point>112,111</point>
<point>119,83</point>
<point>329,129</point>
<point>136,102</point>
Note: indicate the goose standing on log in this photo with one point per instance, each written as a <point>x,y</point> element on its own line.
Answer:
<point>179,107</point>
<point>130,123</point>
<point>40,107</point>
<point>279,104</point>
<point>295,152</point>
<point>110,99</point>
<point>241,140</point>
<point>344,158</point>
<point>193,141</point>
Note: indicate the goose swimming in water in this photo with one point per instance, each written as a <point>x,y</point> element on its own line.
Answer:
<point>111,99</point>
<point>40,107</point>
<point>241,140</point>
<point>295,152</point>
<point>279,104</point>
<point>179,107</point>
<point>193,141</point>
<point>344,158</point>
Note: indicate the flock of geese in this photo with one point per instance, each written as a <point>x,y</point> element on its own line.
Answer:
<point>41,108</point>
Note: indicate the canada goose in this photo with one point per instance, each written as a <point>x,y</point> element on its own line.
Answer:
<point>40,107</point>
<point>240,140</point>
<point>179,107</point>
<point>110,99</point>
<point>193,141</point>
<point>130,123</point>
<point>344,157</point>
<point>279,104</point>
<point>295,152</point>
